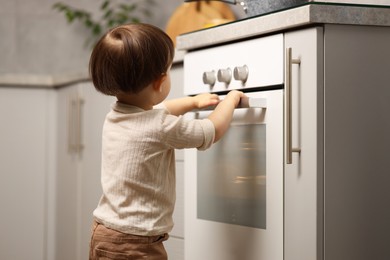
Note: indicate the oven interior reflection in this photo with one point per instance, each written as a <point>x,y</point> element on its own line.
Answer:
<point>232,178</point>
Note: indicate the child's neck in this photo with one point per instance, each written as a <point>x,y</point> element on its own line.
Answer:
<point>146,98</point>
<point>141,100</point>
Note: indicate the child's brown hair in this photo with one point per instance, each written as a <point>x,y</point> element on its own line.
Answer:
<point>130,57</point>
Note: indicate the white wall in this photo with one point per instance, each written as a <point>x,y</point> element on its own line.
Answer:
<point>36,39</point>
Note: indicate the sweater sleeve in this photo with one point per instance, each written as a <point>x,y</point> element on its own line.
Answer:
<point>181,133</point>
<point>209,133</point>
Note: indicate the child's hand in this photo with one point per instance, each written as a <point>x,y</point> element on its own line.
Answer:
<point>235,96</point>
<point>205,100</point>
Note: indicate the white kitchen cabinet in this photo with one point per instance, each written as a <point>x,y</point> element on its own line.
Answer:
<point>81,112</point>
<point>67,178</point>
<point>336,188</point>
<point>96,106</point>
<point>303,178</point>
<point>27,144</point>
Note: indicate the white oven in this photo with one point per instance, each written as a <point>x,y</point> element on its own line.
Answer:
<point>234,190</point>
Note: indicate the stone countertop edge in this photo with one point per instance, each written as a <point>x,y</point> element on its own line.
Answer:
<point>42,80</point>
<point>57,81</point>
<point>283,20</point>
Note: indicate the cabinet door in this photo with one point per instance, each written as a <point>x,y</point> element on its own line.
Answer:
<point>303,177</point>
<point>26,149</point>
<point>67,176</point>
<point>95,108</point>
<point>81,112</point>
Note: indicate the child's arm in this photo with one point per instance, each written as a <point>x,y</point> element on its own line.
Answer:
<point>183,105</point>
<point>223,113</point>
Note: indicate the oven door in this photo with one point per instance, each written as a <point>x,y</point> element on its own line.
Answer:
<point>234,190</point>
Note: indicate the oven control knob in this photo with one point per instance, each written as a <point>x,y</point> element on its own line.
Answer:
<point>209,78</point>
<point>241,73</point>
<point>225,75</point>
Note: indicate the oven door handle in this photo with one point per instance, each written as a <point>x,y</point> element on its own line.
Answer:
<point>249,102</point>
<point>245,102</point>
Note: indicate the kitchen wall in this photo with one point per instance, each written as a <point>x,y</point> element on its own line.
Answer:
<point>35,39</point>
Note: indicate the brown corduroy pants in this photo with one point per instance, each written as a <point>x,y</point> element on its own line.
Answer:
<point>114,245</point>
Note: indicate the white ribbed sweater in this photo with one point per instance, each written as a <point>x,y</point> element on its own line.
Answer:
<point>138,167</point>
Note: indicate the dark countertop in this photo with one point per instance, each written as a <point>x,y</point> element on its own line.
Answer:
<point>311,13</point>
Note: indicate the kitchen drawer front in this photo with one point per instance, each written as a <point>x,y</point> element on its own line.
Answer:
<point>263,58</point>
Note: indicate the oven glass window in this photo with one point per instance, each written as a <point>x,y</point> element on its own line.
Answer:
<point>232,178</point>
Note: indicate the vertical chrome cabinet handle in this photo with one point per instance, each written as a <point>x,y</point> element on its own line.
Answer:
<point>289,62</point>
<point>71,109</point>
<point>75,143</point>
<point>79,141</point>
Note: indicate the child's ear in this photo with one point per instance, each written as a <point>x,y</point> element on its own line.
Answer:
<point>157,84</point>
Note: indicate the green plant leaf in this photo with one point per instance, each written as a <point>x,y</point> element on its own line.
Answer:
<point>88,23</point>
<point>69,16</point>
<point>110,15</point>
<point>107,14</point>
<point>128,8</point>
<point>60,7</point>
<point>105,4</point>
<point>111,23</point>
<point>96,29</point>
<point>122,17</point>
<point>135,20</point>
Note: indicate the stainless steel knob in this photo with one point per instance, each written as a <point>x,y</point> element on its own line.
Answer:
<point>209,77</point>
<point>241,73</point>
<point>225,75</point>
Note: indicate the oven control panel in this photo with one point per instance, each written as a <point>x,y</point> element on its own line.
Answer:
<point>242,65</point>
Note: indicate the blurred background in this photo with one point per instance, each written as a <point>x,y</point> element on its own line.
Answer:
<point>37,39</point>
